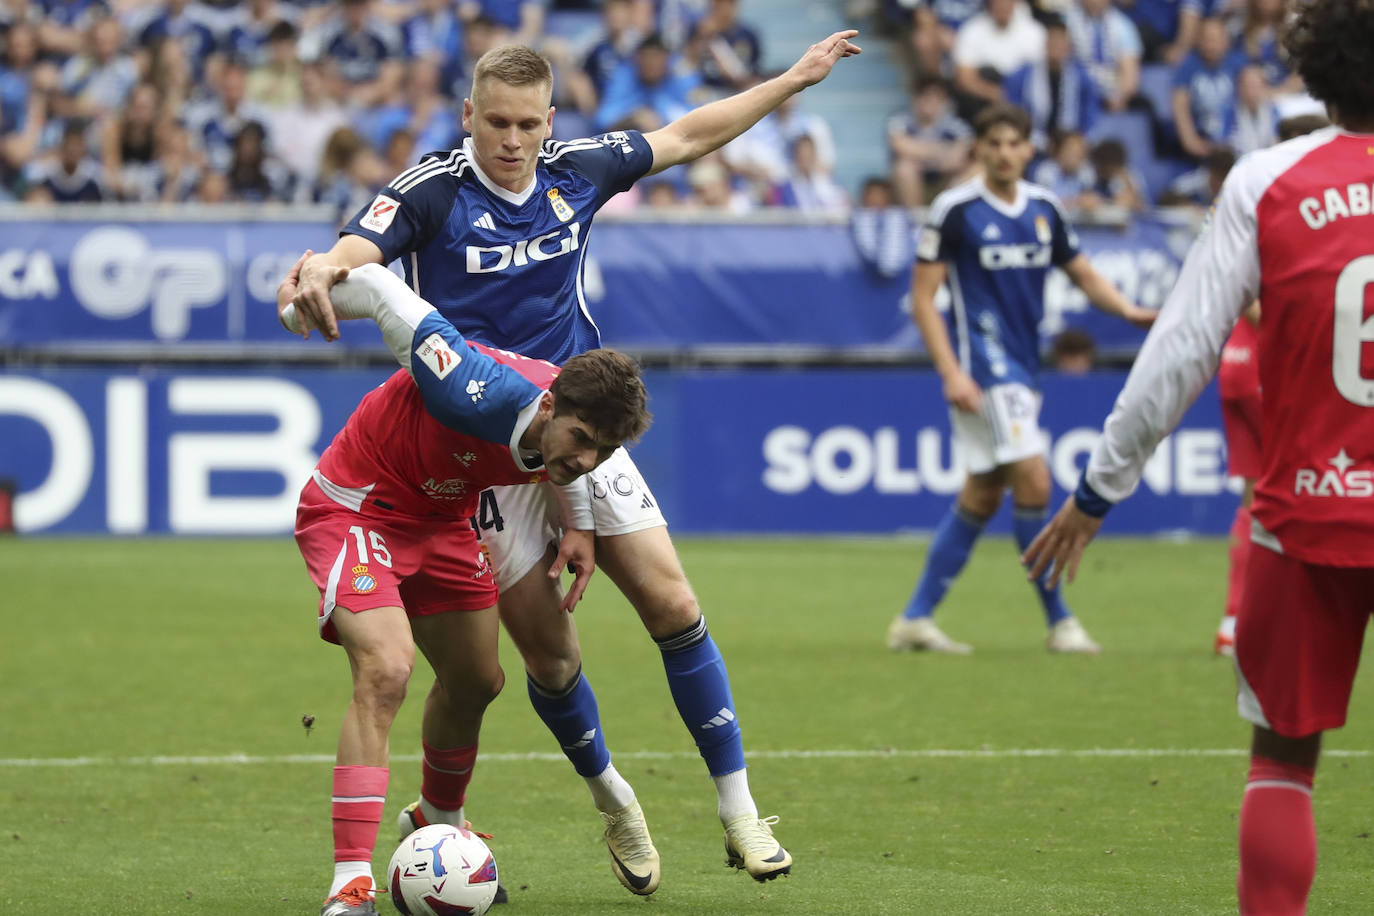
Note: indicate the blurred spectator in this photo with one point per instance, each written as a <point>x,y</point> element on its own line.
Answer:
<point>400,152</point>
<point>1257,117</point>
<point>810,187</point>
<point>178,171</point>
<point>648,92</point>
<point>480,35</point>
<point>99,80</point>
<point>928,143</point>
<point>366,50</point>
<point>350,173</point>
<point>677,19</point>
<point>1067,171</point>
<point>69,176</point>
<point>1108,44</point>
<point>759,155</point>
<point>171,72</point>
<point>1205,91</point>
<point>1259,42</point>
<point>251,36</point>
<point>883,232</point>
<point>16,75</point>
<point>1056,91</point>
<point>176,21</point>
<point>1073,352</point>
<point>436,32</point>
<point>712,190</point>
<point>253,176</point>
<point>418,107</point>
<point>728,51</point>
<point>1200,187</point>
<point>995,43</point>
<point>129,146</point>
<point>213,188</point>
<point>216,123</point>
<point>1114,182</point>
<point>524,19</point>
<point>1168,28</point>
<point>793,123</point>
<point>64,24</point>
<point>661,195</point>
<point>299,132</point>
<point>617,44</point>
<point>275,80</point>
<point>1301,125</point>
<point>22,127</point>
<point>931,42</point>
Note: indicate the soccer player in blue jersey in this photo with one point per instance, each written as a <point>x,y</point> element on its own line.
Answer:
<point>994,239</point>
<point>493,234</point>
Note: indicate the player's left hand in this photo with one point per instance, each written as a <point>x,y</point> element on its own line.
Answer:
<point>286,290</point>
<point>1140,317</point>
<point>577,551</point>
<point>816,63</point>
<point>1060,544</point>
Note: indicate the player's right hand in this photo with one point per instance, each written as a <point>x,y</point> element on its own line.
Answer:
<point>312,297</point>
<point>576,552</point>
<point>962,392</point>
<point>816,63</point>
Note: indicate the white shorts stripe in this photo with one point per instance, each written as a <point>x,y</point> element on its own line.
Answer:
<point>331,589</point>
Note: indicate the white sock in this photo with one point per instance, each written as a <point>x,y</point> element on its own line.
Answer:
<point>439,815</point>
<point>610,791</point>
<point>732,796</point>
<point>345,872</point>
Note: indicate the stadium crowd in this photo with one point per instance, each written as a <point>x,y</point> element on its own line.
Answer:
<point>322,101</point>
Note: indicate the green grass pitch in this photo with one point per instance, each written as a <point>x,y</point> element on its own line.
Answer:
<point>124,651</point>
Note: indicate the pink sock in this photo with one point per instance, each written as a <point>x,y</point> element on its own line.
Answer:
<point>359,794</point>
<point>445,774</point>
<point>1278,840</point>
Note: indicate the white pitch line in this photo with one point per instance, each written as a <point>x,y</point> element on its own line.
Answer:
<point>545,757</point>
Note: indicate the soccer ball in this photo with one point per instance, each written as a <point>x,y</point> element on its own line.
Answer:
<point>442,870</point>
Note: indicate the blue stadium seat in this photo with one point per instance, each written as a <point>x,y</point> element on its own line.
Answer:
<point>1132,128</point>
<point>1157,85</point>
<point>1159,173</point>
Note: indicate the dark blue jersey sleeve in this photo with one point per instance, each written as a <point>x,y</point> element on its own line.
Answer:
<point>939,239</point>
<point>464,388</point>
<point>612,161</point>
<point>1064,244</point>
<point>409,211</point>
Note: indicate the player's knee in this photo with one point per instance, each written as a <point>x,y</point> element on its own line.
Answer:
<point>669,610</point>
<point>980,500</point>
<point>382,679</point>
<point>554,668</point>
<point>1033,490</point>
<point>487,687</point>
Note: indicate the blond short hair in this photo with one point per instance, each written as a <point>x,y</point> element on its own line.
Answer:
<point>514,65</point>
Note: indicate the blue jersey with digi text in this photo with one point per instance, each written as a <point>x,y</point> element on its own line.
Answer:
<point>998,254</point>
<point>505,268</point>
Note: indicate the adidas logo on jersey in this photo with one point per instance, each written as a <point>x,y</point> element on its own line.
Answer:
<point>485,222</point>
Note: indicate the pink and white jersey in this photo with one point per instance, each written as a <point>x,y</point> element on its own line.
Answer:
<point>1293,227</point>
<point>392,457</point>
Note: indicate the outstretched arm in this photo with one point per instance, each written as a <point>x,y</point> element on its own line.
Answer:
<point>1106,297</point>
<point>712,126</point>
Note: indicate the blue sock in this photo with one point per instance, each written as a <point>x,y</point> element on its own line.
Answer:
<point>573,718</point>
<point>1026,523</point>
<point>949,551</point>
<point>701,690</point>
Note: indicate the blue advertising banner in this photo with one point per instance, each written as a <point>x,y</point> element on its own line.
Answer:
<point>665,286</point>
<point>759,451</point>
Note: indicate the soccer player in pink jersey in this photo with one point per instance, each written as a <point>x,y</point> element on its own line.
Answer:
<point>1293,227</point>
<point>384,528</point>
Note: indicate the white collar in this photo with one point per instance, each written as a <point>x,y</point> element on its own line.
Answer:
<point>526,460</point>
<point>508,196</point>
<point>1011,210</point>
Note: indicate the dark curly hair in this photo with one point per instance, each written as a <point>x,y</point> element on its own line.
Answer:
<point>1331,44</point>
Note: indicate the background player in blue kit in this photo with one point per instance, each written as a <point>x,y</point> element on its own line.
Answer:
<point>994,239</point>
<point>493,234</point>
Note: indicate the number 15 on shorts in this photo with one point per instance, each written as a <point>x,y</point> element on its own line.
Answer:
<point>361,540</point>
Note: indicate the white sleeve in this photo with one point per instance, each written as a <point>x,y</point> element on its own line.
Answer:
<point>1219,279</point>
<point>575,505</point>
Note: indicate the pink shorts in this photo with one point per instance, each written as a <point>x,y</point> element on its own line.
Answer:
<point>360,562</point>
<point>1241,419</point>
<point>1298,639</point>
